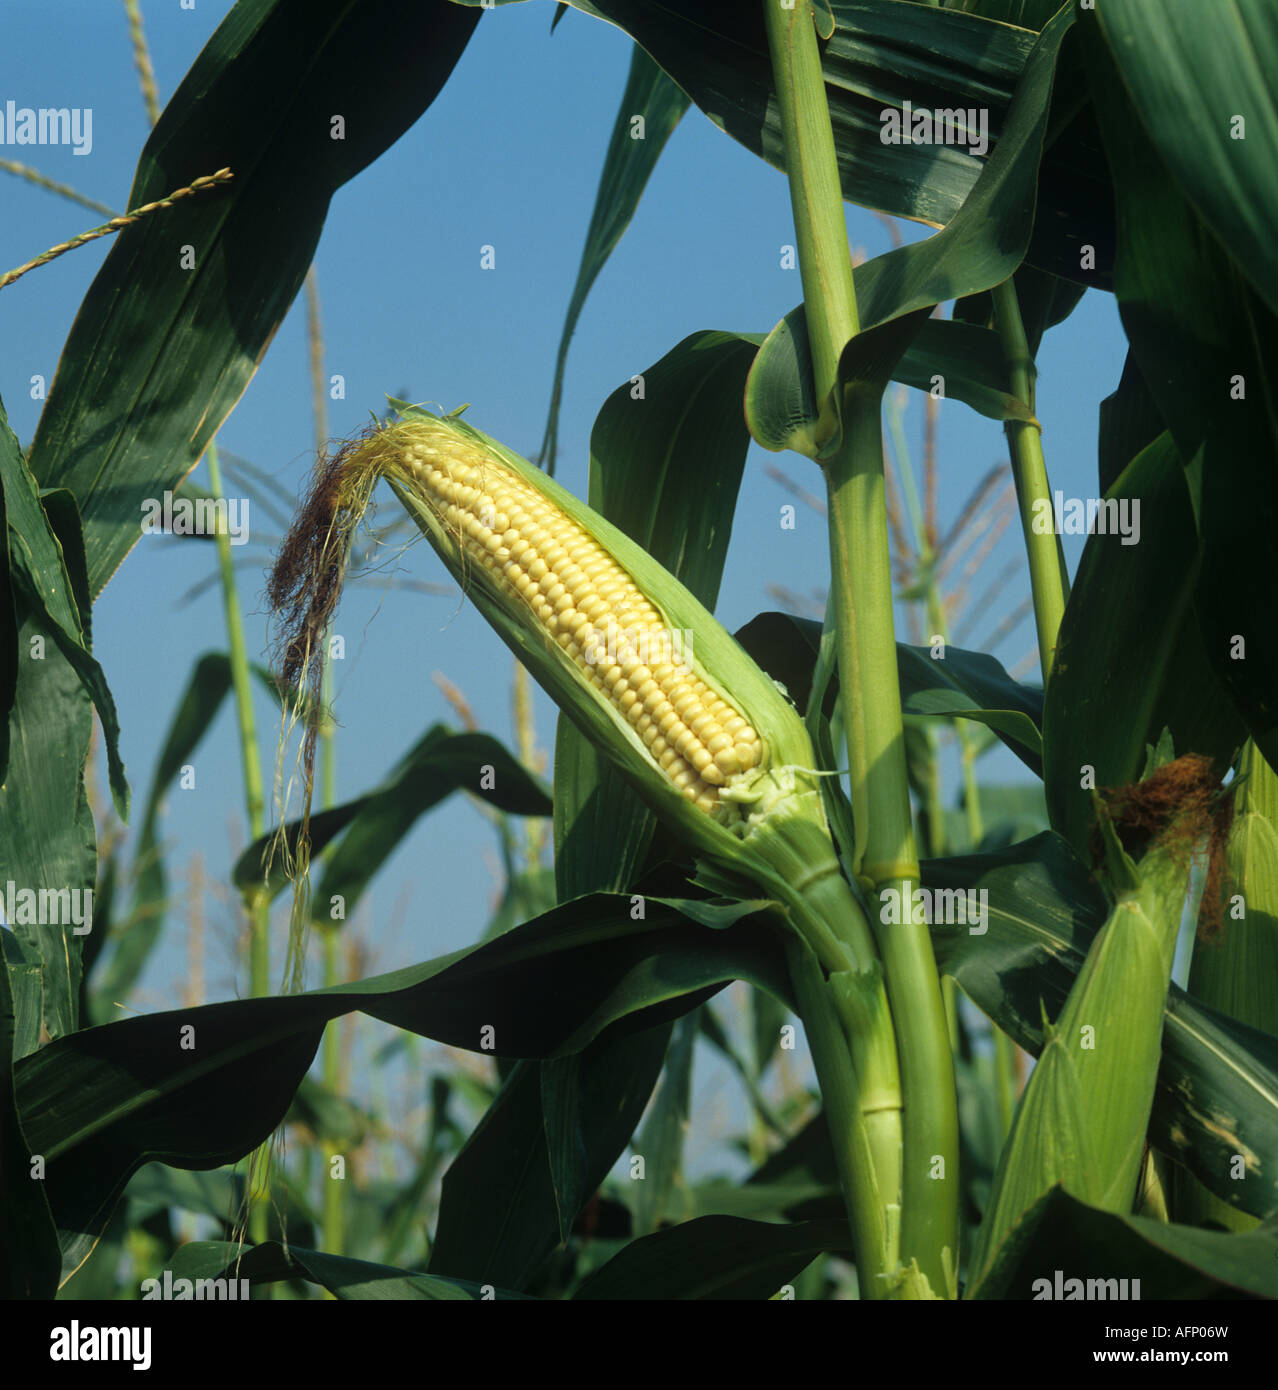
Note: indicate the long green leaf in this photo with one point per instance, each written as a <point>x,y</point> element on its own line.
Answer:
<point>1159,1260</point>
<point>499,1214</point>
<point>27,1233</point>
<point>47,838</point>
<point>963,684</point>
<point>103,1101</point>
<point>651,106</point>
<point>1125,671</point>
<point>440,763</point>
<point>341,1276</point>
<point>46,553</point>
<point>178,318</point>
<point>660,1142</point>
<point>1201,79</point>
<point>206,689</point>
<point>963,362</point>
<point>715,1257</point>
<point>8,638</point>
<point>881,53</point>
<point>1206,342</point>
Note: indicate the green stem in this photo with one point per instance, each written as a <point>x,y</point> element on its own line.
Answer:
<point>1004,1047</point>
<point>935,806</point>
<point>333,1228</point>
<point>909,488</point>
<point>968,750</point>
<point>869,684</point>
<point>1049,580</point>
<point>829,294</point>
<point>858,527</point>
<point>257,907</point>
<point>971,792</point>
<point>872,1225</point>
<point>1005,1072</point>
<point>241,684</point>
<point>830,919</point>
<point>812,167</point>
<point>799,868</point>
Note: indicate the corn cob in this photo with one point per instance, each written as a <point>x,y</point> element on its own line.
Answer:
<point>591,614</point>
<point>1238,974</point>
<point>1083,1117</point>
<point>707,739</point>
<point>540,557</point>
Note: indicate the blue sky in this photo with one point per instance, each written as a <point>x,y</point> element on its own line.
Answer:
<point>509,155</point>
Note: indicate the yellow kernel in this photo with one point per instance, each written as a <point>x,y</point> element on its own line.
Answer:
<point>656,699</point>
<point>687,743</point>
<point>689,711</point>
<point>726,762</point>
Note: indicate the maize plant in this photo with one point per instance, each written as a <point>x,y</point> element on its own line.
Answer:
<point>1014,1041</point>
